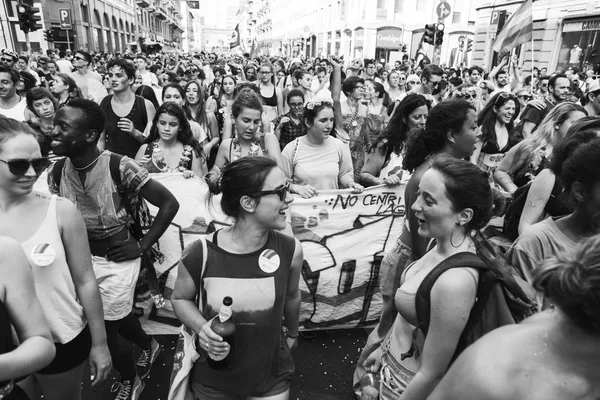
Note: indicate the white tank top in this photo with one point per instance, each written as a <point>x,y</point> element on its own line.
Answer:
<point>17,112</point>
<point>53,281</point>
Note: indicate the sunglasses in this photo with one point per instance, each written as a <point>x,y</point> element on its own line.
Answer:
<point>281,191</point>
<point>469,96</point>
<point>505,95</point>
<point>20,167</point>
<point>8,60</point>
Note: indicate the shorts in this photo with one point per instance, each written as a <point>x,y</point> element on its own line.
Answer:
<point>394,377</point>
<point>202,392</point>
<point>116,282</point>
<point>71,354</point>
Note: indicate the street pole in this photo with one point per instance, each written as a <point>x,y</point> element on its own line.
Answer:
<point>68,40</point>
<point>27,43</point>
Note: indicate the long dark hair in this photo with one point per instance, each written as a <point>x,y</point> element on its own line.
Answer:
<point>200,108</point>
<point>184,135</point>
<point>487,117</point>
<point>396,132</point>
<point>148,93</point>
<point>222,92</point>
<point>422,143</point>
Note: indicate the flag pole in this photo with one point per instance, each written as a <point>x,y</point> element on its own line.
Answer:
<point>532,55</point>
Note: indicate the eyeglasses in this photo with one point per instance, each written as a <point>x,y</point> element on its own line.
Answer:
<point>281,191</point>
<point>19,167</point>
<point>296,105</point>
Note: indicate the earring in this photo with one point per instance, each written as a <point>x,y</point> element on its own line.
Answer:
<point>452,235</point>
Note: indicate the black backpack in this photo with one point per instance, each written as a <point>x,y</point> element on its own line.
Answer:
<point>503,297</point>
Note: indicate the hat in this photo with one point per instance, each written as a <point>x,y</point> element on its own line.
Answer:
<point>11,54</point>
<point>592,86</point>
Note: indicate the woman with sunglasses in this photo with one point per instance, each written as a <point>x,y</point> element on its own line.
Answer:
<point>64,89</point>
<point>21,309</point>
<point>396,82</point>
<point>496,122</point>
<point>259,269</point>
<point>53,235</point>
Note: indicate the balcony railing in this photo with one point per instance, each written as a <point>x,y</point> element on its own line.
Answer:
<point>142,3</point>
<point>160,13</point>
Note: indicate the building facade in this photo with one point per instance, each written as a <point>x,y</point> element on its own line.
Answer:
<point>376,29</point>
<point>566,33</point>
<point>109,26</point>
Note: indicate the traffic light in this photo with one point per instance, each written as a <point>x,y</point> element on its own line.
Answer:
<point>23,11</point>
<point>28,18</point>
<point>470,45</point>
<point>429,35</point>
<point>439,34</point>
<point>34,17</point>
<point>49,35</point>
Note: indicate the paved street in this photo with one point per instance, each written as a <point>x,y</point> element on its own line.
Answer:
<point>324,367</point>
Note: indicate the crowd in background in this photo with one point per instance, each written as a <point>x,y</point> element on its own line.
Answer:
<point>513,153</point>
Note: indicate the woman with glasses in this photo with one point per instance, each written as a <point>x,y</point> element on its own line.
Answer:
<point>53,235</point>
<point>271,95</point>
<point>496,122</point>
<point>396,82</point>
<point>259,269</point>
<point>64,89</point>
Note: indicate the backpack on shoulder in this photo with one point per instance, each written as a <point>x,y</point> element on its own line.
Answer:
<point>503,297</point>
<point>136,207</point>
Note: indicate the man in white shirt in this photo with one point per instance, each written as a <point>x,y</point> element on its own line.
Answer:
<point>64,65</point>
<point>11,104</point>
<point>148,78</point>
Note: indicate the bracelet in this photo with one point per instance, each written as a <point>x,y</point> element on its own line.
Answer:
<point>291,336</point>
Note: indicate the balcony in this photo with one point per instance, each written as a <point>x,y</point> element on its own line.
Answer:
<point>151,8</point>
<point>142,3</point>
<point>160,13</point>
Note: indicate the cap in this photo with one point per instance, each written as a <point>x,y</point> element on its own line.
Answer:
<point>11,54</point>
<point>592,86</point>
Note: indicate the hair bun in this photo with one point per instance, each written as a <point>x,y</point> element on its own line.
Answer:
<point>214,180</point>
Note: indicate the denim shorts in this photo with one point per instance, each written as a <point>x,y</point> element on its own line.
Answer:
<point>394,377</point>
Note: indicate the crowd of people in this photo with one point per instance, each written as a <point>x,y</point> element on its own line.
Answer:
<point>473,149</point>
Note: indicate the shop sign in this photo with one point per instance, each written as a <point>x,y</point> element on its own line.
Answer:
<point>359,37</point>
<point>389,38</point>
<point>585,25</point>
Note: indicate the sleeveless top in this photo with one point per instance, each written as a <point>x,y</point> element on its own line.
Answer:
<point>257,149</point>
<point>406,304</point>
<point>6,341</point>
<point>118,141</point>
<point>270,101</point>
<point>53,281</point>
<point>257,283</point>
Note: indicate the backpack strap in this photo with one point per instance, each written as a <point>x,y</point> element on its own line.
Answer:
<point>57,170</point>
<point>115,173</point>
<point>423,296</point>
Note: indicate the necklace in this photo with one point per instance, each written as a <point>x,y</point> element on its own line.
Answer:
<point>87,166</point>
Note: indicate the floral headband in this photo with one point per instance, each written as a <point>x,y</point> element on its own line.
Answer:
<point>312,104</point>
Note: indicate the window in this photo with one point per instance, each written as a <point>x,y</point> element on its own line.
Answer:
<point>456,17</point>
<point>380,3</point>
<point>398,6</point>
<point>421,5</point>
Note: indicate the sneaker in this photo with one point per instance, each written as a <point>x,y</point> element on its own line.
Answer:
<point>128,390</point>
<point>147,358</point>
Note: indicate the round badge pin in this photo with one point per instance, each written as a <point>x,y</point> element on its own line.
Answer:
<point>354,123</point>
<point>43,254</point>
<point>268,261</point>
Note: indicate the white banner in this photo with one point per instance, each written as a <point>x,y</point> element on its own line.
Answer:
<point>344,237</point>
